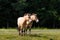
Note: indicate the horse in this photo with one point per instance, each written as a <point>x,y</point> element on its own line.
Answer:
<point>21,22</point>
<point>33,17</point>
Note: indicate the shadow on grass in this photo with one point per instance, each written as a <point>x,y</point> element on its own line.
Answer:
<point>39,35</point>
<point>34,35</point>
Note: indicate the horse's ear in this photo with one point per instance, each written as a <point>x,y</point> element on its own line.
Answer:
<point>29,14</point>
<point>25,14</point>
<point>34,14</point>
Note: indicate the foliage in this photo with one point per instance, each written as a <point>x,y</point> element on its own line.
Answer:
<point>48,12</point>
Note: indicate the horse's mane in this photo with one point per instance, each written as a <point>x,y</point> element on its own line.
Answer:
<point>27,14</point>
<point>34,14</point>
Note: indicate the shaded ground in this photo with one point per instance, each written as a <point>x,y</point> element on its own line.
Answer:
<point>36,34</point>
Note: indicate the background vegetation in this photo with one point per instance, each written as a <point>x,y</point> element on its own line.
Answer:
<point>48,12</point>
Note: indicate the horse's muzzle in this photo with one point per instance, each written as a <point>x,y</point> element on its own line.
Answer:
<point>37,20</point>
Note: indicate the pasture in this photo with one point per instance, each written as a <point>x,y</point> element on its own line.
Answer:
<point>36,34</point>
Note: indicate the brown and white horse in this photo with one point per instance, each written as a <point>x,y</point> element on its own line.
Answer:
<point>21,22</point>
<point>33,17</point>
<point>26,22</point>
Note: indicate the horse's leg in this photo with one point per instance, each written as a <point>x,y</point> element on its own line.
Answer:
<point>22,31</point>
<point>19,30</point>
<point>25,30</point>
<point>30,30</point>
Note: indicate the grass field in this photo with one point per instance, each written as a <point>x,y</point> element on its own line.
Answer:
<point>36,34</point>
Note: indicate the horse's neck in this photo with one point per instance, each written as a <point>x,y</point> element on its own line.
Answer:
<point>31,17</point>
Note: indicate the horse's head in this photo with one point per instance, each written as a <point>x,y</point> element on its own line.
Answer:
<point>27,16</point>
<point>34,17</point>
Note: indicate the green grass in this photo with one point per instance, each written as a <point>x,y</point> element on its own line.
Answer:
<point>37,34</point>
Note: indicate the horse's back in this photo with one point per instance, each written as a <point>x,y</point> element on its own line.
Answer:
<point>20,21</point>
